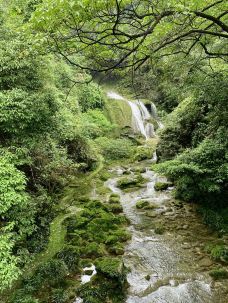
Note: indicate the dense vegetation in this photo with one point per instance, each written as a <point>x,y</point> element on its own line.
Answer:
<point>54,126</point>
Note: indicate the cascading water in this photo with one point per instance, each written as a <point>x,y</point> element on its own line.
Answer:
<point>140,119</point>
<point>137,119</point>
<point>140,116</point>
<point>155,115</point>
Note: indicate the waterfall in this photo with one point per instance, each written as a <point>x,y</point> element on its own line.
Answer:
<point>140,116</point>
<point>137,119</point>
<point>150,130</point>
<point>155,115</point>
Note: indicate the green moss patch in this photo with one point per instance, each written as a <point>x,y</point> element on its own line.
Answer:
<point>161,186</point>
<point>219,274</point>
<point>130,181</point>
<point>144,204</point>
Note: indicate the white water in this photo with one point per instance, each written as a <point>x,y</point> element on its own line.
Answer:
<point>140,116</point>
<point>86,278</point>
<point>114,95</point>
<point>137,119</point>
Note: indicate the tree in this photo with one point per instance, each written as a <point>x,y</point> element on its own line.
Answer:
<point>124,33</point>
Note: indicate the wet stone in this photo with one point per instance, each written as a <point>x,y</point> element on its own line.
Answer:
<point>205,262</point>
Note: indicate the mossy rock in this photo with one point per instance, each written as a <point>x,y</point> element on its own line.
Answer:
<point>119,112</point>
<point>111,267</point>
<point>119,235</point>
<point>116,208</point>
<point>114,195</point>
<point>159,230</point>
<point>86,262</point>
<point>144,204</point>
<point>114,199</point>
<point>219,274</point>
<point>94,249</point>
<point>127,172</point>
<point>143,153</point>
<point>158,186</point>
<point>130,181</point>
<point>117,249</point>
<point>138,169</point>
<point>147,277</point>
<point>104,176</point>
<point>88,272</point>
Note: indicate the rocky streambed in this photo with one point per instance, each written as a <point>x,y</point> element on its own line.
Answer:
<point>166,255</point>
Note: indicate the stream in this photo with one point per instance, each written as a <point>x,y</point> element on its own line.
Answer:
<point>169,267</point>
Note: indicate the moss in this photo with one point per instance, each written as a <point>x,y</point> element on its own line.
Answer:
<point>70,256</point>
<point>159,230</point>
<point>111,267</point>
<point>114,195</point>
<point>143,153</point>
<point>116,208</point>
<point>143,204</point>
<point>161,186</point>
<point>88,272</point>
<point>114,199</point>
<point>94,249</point>
<point>130,181</point>
<point>119,112</point>
<point>218,252</point>
<point>87,262</point>
<point>147,277</point>
<point>139,169</point>
<point>219,273</point>
<point>119,235</point>
<point>105,175</point>
<point>127,172</point>
<point>117,249</point>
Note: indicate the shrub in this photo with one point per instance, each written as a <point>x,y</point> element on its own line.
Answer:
<point>218,252</point>
<point>24,298</point>
<point>59,296</point>
<point>143,153</point>
<point>95,124</point>
<point>218,274</point>
<point>53,271</point>
<point>70,256</point>
<point>90,97</point>
<point>114,149</point>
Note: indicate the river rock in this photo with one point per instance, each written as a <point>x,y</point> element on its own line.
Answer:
<point>151,214</point>
<point>205,262</point>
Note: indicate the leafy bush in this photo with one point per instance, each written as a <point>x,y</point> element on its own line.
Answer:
<point>90,97</point>
<point>70,257</point>
<point>95,124</point>
<point>215,219</point>
<point>52,271</point>
<point>59,296</point>
<point>200,174</point>
<point>218,274</point>
<point>218,252</point>
<point>114,149</point>
<point>24,298</point>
